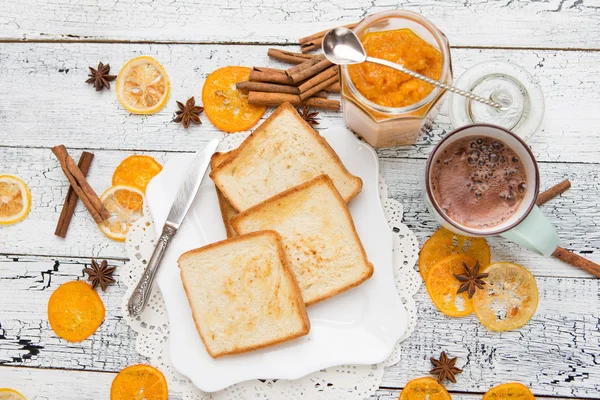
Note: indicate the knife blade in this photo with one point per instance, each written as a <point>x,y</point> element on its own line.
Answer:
<point>189,187</point>
<point>183,201</point>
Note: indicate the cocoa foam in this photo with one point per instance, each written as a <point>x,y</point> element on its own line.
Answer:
<point>478,181</point>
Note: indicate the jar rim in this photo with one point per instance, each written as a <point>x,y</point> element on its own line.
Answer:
<point>444,49</point>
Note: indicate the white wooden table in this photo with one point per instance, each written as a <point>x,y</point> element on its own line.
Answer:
<point>45,49</point>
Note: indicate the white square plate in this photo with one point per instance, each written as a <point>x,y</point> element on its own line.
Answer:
<point>360,326</point>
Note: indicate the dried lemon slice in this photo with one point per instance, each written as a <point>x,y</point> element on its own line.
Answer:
<point>224,105</point>
<point>424,389</point>
<point>75,311</point>
<point>15,200</point>
<point>139,382</point>
<point>509,298</point>
<point>442,286</point>
<point>444,243</point>
<point>10,394</point>
<point>125,204</point>
<point>512,391</point>
<point>136,171</point>
<point>143,85</point>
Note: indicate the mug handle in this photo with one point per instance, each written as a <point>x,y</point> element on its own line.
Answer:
<point>534,233</point>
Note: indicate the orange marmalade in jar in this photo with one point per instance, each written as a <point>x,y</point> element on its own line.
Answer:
<point>387,107</point>
<point>388,87</point>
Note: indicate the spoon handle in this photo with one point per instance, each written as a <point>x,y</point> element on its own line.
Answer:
<point>442,85</point>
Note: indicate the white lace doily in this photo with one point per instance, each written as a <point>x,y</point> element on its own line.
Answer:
<point>342,382</point>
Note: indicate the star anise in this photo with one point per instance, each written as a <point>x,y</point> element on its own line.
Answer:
<point>100,77</point>
<point>471,280</point>
<point>100,275</point>
<point>444,368</point>
<point>188,112</point>
<point>309,116</point>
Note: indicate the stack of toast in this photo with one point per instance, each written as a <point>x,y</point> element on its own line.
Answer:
<point>291,239</point>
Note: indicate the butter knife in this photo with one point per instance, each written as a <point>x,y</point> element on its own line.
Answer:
<point>185,196</point>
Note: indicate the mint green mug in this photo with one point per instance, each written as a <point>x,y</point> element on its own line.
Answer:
<point>527,226</point>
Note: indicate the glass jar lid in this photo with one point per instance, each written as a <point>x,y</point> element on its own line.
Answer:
<point>504,83</point>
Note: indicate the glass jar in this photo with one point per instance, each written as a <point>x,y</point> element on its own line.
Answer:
<point>383,126</point>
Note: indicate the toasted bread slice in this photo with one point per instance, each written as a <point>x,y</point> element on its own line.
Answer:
<point>319,236</point>
<point>227,211</point>
<point>281,153</point>
<point>243,294</point>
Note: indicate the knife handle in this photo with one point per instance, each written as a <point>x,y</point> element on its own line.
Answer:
<point>139,297</point>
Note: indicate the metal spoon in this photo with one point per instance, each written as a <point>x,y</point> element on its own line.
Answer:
<point>341,46</point>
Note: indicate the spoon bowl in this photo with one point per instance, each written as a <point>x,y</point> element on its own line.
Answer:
<point>341,46</point>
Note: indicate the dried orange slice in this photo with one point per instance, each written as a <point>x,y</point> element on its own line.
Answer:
<point>442,285</point>
<point>224,105</point>
<point>509,298</point>
<point>136,171</point>
<point>444,243</point>
<point>15,200</point>
<point>509,391</point>
<point>75,311</point>
<point>126,205</point>
<point>424,389</point>
<point>10,394</point>
<point>141,382</point>
<point>143,85</point>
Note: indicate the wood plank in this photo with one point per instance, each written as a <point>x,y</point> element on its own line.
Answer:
<point>41,384</point>
<point>44,384</point>
<point>383,394</point>
<point>554,354</point>
<point>549,23</point>
<point>574,214</point>
<point>44,100</point>
<point>26,338</point>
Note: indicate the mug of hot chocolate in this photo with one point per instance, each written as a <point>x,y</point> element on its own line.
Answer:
<point>482,180</point>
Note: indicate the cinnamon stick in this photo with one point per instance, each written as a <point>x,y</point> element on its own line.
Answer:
<point>267,87</point>
<point>335,88</point>
<point>80,185</point>
<point>577,261</point>
<point>553,192</point>
<point>288,56</point>
<point>326,104</point>
<point>321,86</point>
<point>313,45</point>
<point>277,99</point>
<point>322,94</point>
<point>315,40</point>
<point>305,65</point>
<point>317,35</point>
<point>317,79</point>
<point>267,69</point>
<point>270,77</point>
<point>85,161</point>
<point>561,253</point>
<point>307,69</point>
